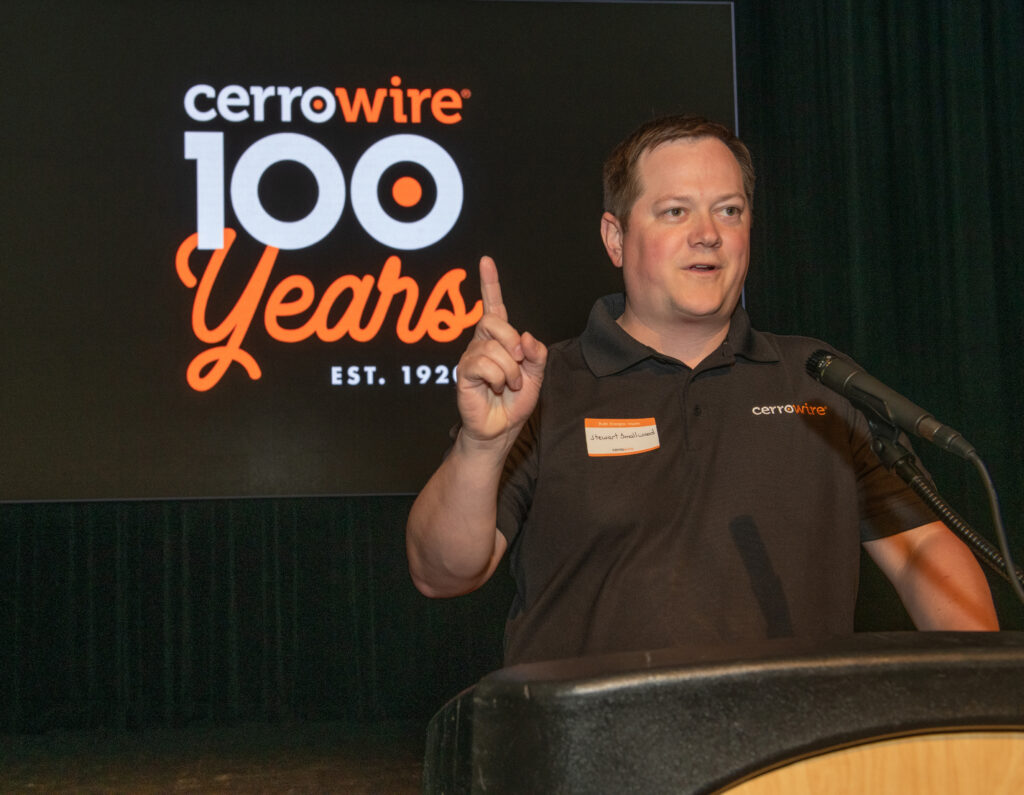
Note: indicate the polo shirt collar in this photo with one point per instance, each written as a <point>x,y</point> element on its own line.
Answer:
<point>608,349</point>
<point>743,340</point>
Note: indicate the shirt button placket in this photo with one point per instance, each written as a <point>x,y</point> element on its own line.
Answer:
<point>687,410</point>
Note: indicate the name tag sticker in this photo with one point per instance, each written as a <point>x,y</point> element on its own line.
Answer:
<point>620,437</point>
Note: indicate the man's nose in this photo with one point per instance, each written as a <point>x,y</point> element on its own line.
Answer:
<point>704,231</point>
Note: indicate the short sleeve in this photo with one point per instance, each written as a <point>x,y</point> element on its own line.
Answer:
<point>887,504</point>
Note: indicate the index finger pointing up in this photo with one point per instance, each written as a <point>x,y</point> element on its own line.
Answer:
<point>490,289</point>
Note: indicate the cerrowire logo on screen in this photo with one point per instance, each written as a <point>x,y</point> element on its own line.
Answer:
<point>810,409</point>
<point>356,304</point>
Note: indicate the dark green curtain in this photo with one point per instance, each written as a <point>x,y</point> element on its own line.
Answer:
<point>120,615</point>
<point>888,220</point>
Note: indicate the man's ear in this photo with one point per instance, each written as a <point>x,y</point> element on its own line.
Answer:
<point>611,234</point>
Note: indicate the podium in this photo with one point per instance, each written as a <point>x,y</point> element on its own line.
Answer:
<point>680,721</point>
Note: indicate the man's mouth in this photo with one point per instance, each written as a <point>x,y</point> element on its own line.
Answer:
<point>701,266</point>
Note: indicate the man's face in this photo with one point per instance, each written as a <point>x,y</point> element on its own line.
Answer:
<point>685,251</point>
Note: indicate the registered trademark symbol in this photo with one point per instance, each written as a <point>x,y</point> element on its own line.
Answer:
<point>466,93</point>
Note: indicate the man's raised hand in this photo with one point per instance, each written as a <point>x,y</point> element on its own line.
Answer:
<point>501,371</point>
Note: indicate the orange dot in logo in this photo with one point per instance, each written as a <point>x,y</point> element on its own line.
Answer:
<point>407,191</point>
<point>318,104</point>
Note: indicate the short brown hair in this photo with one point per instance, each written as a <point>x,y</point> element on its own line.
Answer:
<point>622,183</point>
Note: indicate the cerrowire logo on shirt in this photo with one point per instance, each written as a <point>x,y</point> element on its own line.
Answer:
<point>810,409</point>
<point>620,436</point>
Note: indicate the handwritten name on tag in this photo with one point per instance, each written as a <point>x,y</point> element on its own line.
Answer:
<point>621,436</point>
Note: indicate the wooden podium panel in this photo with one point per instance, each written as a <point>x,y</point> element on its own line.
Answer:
<point>950,763</point>
<point>678,721</point>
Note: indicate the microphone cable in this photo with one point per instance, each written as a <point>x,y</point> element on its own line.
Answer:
<point>997,520</point>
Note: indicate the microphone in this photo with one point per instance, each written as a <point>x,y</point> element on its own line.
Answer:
<point>874,398</point>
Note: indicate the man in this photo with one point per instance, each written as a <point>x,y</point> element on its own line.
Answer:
<point>679,479</point>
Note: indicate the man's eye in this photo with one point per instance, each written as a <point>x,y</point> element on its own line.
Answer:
<point>674,211</point>
<point>731,212</point>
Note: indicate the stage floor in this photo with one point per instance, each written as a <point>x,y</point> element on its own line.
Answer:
<point>303,757</point>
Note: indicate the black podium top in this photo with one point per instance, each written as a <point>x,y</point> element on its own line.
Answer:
<point>680,720</point>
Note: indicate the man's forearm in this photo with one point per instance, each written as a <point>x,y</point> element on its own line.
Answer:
<point>452,543</point>
<point>939,581</point>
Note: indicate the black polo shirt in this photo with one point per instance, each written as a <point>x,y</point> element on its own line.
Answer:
<point>649,505</point>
